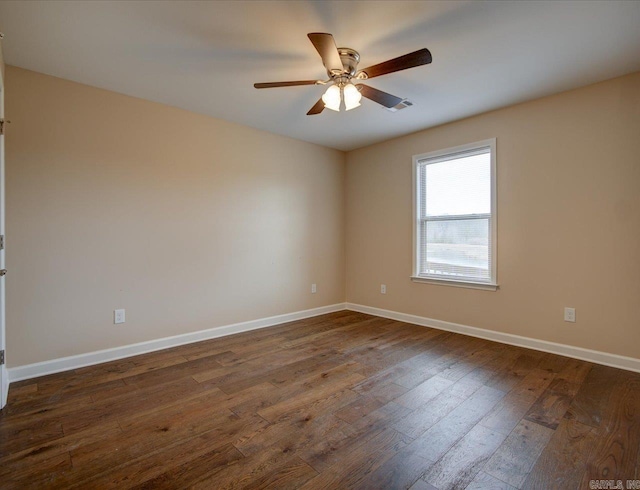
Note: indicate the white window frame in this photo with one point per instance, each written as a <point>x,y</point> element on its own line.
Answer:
<point>492,283</point>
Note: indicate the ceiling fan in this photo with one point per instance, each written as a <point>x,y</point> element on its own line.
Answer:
<point>342,68</point>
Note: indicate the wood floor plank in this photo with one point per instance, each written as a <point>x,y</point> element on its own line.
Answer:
<point>291,474</point>
<point>591,403</point>
<point>464,366</point>
<point>304,433</point>
<point>383,417</point>
<point>439,359</point>
<point>616,450</point>
<point>563,461</point>
<point>422,485</point>
<point>231,379</point>
<point>48,466</point>
<point>322,456</point>
<point>440,437</point>
<point>552,405</point>
<point>130,446</point>
<point>147,400</point>
<point>150,472</point>
<point>200,467</point>
<point>298,424</point>
<point>460,465</point>
<point>353,467</point>
<point>418,421</point>
<point>399,472</point>
<point>17,468</point>
<point>241,472</point>
<point>466,386</point>
<point>28,434</point>
<point>365,404</point>
<point>338,386</point>
<point>360,407</point>
<point>518,402</point>
<point>306,379</point>
<point>513,373</point>
<point>515,458</point>
<point>424,392</point>
<point>325,453</point>
<point>484,481</point>
<point>21,391</point>
<point>343,400</point>
<point>508,413</point>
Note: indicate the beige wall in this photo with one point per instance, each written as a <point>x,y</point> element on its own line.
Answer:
<point>185,221</point>
<point>568,220</point>
<point>190,222</point>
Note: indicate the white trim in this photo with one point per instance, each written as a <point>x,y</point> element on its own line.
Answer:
<point>4,375</point>
<point>5,387</point>
<point>418,161</point>
<point>598,357</point>
<point>29,371</point>
<point>458,284</point>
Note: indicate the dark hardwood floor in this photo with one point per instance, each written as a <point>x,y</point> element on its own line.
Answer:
<point>344,400</point>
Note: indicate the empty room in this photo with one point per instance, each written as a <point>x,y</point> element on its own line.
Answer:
<point>320,244</point>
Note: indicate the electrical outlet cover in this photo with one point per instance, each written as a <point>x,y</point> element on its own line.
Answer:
<point>570,315</point>
<point>118,316</point>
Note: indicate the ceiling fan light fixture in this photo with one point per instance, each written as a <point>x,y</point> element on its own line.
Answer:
<point>352,96</point>
<point>332,98</point>
<point>342,69</point>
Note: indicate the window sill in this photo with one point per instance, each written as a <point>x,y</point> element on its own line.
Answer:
<point>456,284</point>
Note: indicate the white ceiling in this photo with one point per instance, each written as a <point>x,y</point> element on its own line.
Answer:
<point>205,56</point>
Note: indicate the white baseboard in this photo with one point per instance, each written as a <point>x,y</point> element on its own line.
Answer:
<point>613,360</point>
<point>29,371</point>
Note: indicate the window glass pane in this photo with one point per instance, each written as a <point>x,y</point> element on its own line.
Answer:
<point>458,186</point>
<point>456,249</point>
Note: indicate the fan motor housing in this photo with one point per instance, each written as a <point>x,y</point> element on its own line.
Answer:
<point>350,59</point>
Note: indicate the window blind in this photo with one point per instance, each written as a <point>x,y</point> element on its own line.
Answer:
<point>454,214</point>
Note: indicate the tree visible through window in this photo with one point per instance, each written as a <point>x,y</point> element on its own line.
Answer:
<point>455,214</point>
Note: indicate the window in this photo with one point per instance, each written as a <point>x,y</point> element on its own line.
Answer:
<point>455,216</point>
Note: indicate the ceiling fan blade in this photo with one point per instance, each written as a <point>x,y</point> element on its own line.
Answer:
<point>284,84</point>
<point>317,108</point>
<point>382,98</point>
<point>411,60</point>
<point>326,47</point>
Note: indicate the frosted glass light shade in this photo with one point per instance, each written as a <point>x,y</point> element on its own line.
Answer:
<point>331,98</point>
<point>352,96</point>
